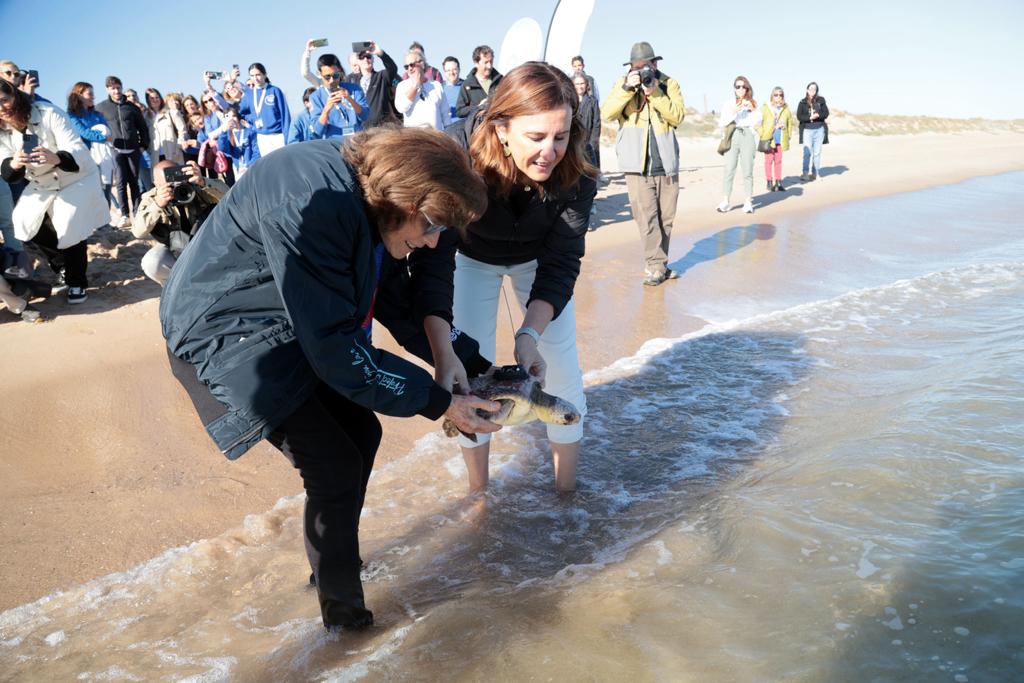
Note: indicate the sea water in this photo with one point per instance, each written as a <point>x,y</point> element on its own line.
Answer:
<point>826,484</point>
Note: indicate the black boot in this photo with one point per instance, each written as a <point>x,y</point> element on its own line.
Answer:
<point>341,602</point>
<point>779,187</point>
<point>770,187</point>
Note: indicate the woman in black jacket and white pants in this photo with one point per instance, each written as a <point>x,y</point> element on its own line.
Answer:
<point>530,149</point>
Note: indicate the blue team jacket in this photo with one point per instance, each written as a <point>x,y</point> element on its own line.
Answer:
<point>83,126</point>
<point>273,114</point>
<point>301,128</point>
<point>245,153</point>
<point>342,120</point>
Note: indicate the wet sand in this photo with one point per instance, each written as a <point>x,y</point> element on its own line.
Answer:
<point>103,464</point>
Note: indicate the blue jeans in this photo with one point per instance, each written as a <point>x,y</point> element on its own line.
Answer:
<point>813,137</point>
<point>6,226</point>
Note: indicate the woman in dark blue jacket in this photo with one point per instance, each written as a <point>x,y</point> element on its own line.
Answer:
<point>267,316</point>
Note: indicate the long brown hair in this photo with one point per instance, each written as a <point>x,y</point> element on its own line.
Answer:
<point>154,91</point>
<point>403,171</point>
<point>76,105</point>
<point>530,88</point>
<point>749,91</point>
<point>807,95</point>
<point>22,107</point>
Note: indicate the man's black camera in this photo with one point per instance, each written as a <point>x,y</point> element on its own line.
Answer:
<point>182,190</point>
<point>647,77</point>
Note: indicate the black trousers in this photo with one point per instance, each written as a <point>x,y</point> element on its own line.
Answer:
<point>332,442</point>
<point>73,260</point>
<point>126,180</point>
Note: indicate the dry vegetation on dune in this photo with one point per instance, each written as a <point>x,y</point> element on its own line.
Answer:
<point>699,125</point>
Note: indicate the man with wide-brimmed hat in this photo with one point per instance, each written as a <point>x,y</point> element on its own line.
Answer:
<point>648,106</point>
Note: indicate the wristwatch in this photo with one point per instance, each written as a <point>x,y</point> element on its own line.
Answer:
<point>528,331</point>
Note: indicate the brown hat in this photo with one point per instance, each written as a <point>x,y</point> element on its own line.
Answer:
<point>641,52</point>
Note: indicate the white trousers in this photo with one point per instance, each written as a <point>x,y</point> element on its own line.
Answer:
<point>477,303</point>
<point>269,143</point>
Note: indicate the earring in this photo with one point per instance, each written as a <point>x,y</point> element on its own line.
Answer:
<point>505,148</point>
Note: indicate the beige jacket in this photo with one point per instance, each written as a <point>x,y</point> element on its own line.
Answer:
<point>166,135</point>
<point>74,201</point>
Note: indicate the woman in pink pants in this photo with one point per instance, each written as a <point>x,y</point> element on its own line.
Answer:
<point>777,127</point>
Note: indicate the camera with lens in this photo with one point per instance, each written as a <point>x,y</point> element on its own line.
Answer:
<point>648,76</point>
<point>182,189</point>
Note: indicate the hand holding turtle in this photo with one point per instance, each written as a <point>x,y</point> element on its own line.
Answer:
<point>527,355</point>
<point>463,413</point>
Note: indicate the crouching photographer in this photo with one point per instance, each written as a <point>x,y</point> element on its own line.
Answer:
<point>172,212</point>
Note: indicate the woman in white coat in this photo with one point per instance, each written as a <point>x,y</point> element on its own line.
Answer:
<point>166,129</point>
<point>61,202</point>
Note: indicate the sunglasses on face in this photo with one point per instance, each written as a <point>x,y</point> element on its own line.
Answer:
<point>366,56</point>
<point>412,65</point>
<point>740,87</point>
<point>432,227</point>
<point>335,76</point>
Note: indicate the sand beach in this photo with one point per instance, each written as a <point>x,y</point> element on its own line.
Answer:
<point>104,465</point>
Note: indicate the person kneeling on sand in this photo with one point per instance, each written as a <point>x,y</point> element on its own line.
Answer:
<point>172,213</point>
<point>267,318</point>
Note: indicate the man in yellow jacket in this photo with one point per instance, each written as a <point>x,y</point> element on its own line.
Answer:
<point>648,106</point>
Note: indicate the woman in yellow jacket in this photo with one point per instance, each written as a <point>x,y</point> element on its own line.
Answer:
<point>777,127</point>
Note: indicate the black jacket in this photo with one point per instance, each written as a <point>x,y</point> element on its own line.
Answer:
<point>524,227</point>
<point>271,296</point>
<point>472,93</point>
<point>380,94</point>
<point>590,117</point>
<point>803,115</point>
<point>127,126</point>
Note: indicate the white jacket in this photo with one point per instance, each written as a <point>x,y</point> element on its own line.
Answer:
<point>74,201</point>
<point>166,135</point>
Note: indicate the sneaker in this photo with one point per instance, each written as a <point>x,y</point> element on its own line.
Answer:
<point>724,206</point>
<point>31,315</point>
<point>125,222</point>
<point>811,178</point>
<point>804,177</point>
<point>748,207</point>
<point>671,274</point>
<point>76,295</point>
<point>654,279</point>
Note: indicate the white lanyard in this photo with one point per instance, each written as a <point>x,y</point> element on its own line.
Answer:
<point>257,102</point>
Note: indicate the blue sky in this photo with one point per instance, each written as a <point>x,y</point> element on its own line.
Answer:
<point>939,58</point>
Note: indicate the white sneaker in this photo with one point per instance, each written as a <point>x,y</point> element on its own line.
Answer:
<point>724,206</point>
<point>125,222</point>
<point>748,207</point>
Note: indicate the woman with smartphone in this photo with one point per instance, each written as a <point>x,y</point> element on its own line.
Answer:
<point>61,202</point>
<point>741,110</point>
<point>530,149</point>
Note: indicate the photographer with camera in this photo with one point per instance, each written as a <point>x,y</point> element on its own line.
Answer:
<point>172,213</point>
<point>648,106</point>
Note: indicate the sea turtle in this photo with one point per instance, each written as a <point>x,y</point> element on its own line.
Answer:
<point>521,397</point>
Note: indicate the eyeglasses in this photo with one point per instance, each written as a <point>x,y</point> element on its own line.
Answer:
<point>740,87</point>
<point>335,76</point>
<point>412,65</point>
<point>432,227</point>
